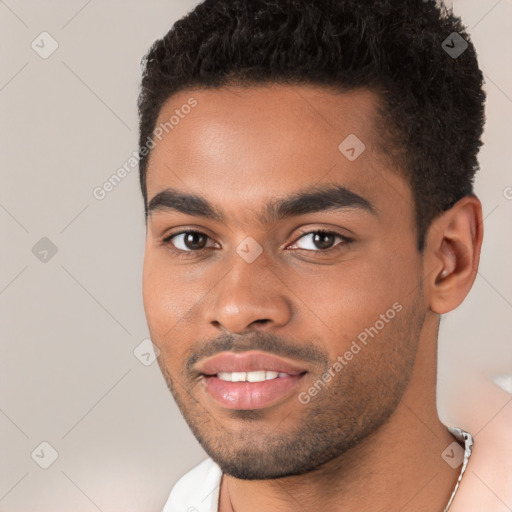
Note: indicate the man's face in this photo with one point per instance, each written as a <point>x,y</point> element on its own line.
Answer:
<point>259,279</point>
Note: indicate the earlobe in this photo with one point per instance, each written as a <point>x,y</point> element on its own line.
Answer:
<point>452,254</point>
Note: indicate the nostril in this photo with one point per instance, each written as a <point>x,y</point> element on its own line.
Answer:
<point>263,321</point>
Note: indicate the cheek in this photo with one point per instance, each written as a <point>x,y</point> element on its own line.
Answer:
<point>345,299</point>
<point>171,295</point>
<point>161,306</point>
<point>160,294</point>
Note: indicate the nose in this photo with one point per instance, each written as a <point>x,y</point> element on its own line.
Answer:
<point>250,294</point>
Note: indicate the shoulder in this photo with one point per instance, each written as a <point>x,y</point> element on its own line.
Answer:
<point>197,490</point>
<point>487,482</point>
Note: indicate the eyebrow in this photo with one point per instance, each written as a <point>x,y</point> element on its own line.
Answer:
<point>312,200</point>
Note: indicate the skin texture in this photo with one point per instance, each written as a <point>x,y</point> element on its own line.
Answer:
<point>371,439</point>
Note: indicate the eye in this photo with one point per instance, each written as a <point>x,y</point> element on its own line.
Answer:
<point>320,240</point>
<point>187,241</point>
<point>191,242</point>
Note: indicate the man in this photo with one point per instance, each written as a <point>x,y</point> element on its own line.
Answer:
<point>307,175</point>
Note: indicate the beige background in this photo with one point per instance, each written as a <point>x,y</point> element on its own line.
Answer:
<point>69,325</point>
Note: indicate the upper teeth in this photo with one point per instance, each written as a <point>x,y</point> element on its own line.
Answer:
<point>258,376</point>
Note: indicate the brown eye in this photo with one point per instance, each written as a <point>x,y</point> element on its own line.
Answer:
<point>323,240</point>
<point>188,240</point>
<point>320,240</point>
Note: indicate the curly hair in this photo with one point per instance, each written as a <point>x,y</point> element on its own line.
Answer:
<point>431,112</point>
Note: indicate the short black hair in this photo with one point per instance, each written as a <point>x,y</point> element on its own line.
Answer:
<point>432,101</point>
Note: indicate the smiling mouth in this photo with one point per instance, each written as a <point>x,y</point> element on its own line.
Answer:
<point>252,376</point>
<point>250,380</point>
<point>251,390</point>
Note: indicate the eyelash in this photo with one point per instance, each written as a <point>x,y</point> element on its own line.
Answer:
<point>192,253</point>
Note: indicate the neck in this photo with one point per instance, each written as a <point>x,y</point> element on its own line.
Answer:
<point>397,467</point>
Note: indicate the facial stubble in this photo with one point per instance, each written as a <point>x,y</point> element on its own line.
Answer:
<point>352,406</point>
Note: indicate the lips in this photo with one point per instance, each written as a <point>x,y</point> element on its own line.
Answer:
<point>284,379</point>
<point>252,395</point>
<point>247,362</point>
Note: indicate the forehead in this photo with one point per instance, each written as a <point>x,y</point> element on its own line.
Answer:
<point>241,146</point>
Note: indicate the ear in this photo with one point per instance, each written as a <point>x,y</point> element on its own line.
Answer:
<point>452,254</point>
